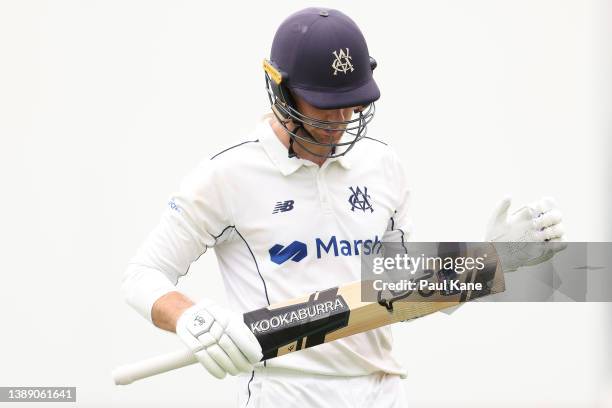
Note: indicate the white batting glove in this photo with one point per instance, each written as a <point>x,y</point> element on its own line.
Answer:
<point>540,222</point>
<point>218,337</point>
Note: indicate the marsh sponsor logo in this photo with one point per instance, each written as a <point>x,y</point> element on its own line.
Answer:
<point>343,247</point>
<point>296,251</point>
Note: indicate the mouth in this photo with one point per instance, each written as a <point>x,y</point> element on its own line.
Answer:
<point>326,136</point>
<point>334,134</point>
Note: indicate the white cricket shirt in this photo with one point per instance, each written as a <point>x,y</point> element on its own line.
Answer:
<point>281,227</point>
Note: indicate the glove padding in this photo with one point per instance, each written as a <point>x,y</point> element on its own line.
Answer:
<point>218,337</point>
<point>538,222</point>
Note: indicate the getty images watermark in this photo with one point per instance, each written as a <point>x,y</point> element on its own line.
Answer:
<point>513,272</point>
<point>409,265</point>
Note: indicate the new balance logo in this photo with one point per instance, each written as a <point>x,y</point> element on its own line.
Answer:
<point>296,251</point>
<point>283,206</point>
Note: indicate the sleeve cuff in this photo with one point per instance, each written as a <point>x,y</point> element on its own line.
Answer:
<point>142,286</point>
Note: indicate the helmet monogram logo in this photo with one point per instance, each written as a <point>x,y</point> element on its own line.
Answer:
<point>342,63</point>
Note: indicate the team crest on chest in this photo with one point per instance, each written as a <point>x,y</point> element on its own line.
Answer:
<point>360,199</point>
<point>342,62</point>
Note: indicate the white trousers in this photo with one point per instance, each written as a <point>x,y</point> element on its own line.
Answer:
<point>271,388</point>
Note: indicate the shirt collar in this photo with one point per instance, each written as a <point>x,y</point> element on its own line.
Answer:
<point>278,154</point>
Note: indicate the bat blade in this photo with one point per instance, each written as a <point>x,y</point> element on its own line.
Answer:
<point>340,312</point>
<point>329,315</point>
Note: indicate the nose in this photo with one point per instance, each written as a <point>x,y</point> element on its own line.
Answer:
<point>336,115</point>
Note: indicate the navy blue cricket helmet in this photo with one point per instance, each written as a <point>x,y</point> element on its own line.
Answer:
<point>321,56</point>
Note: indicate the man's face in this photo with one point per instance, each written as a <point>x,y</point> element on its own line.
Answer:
<point>335,115</point>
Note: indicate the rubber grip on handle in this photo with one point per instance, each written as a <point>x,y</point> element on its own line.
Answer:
<point>127,374</point>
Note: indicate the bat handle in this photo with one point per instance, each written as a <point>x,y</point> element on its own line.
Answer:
<point>128,373</point>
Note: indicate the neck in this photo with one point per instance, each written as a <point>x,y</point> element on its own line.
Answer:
<point>302,153</point>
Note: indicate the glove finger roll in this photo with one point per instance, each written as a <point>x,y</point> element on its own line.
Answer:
<point>246,342</point>
<point>206,360</point>
<point>239,360</point>
<point>556,231</point>
<point>222,359</point>
<point>544,205</point>
<point>550,218</point>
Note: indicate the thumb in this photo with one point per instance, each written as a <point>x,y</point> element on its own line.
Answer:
<point>501,211</point>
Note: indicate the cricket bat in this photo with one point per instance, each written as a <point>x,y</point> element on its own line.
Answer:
<point>334,313</point>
